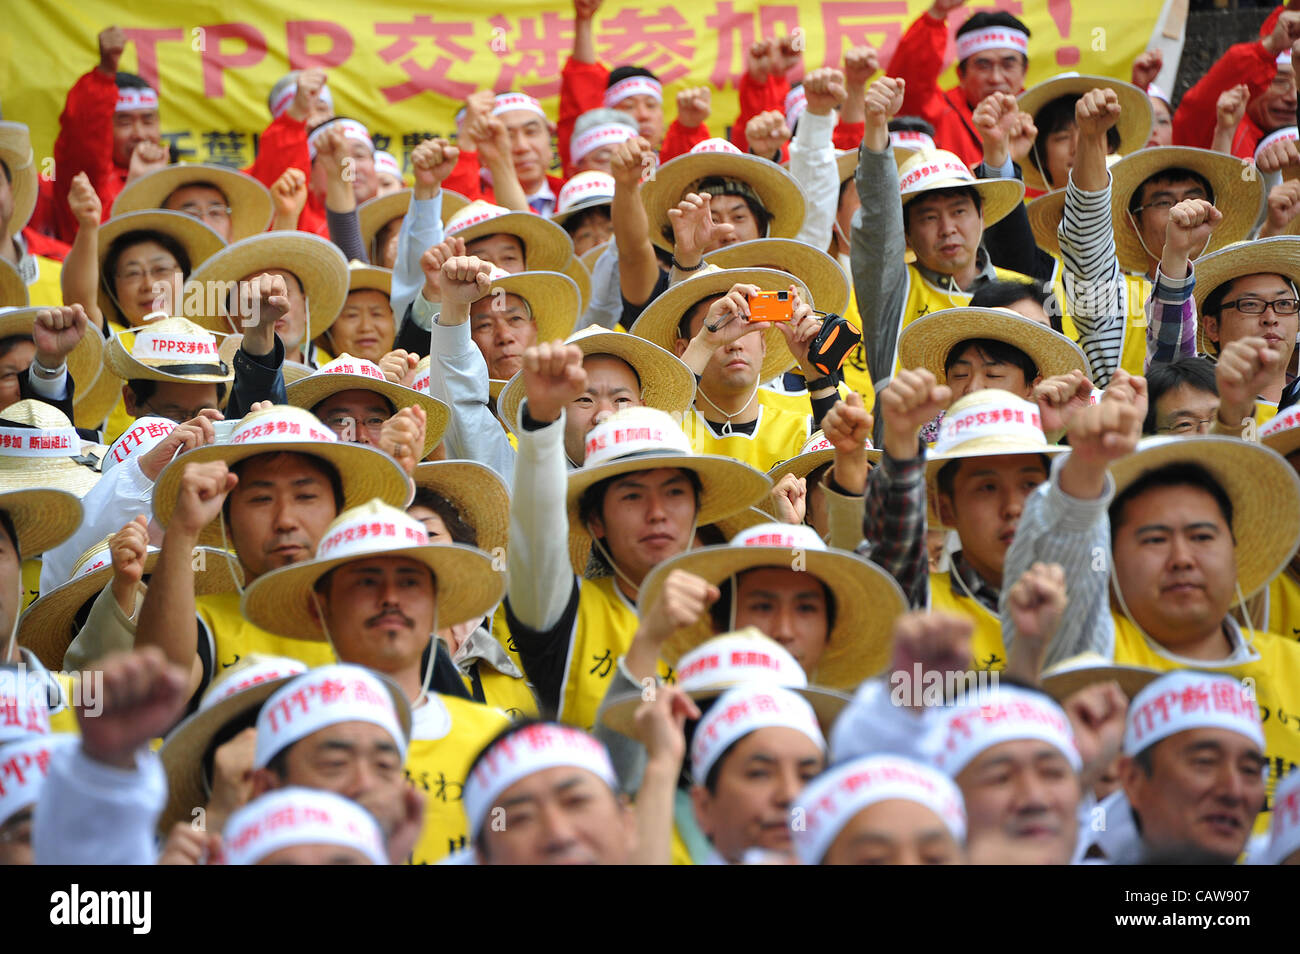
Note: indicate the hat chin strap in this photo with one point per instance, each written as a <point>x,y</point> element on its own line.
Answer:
<point>1241,601</point>
<point>618,571</point>
<point>1150,254</point>
<point>232,564</point>
<point>11,647</point>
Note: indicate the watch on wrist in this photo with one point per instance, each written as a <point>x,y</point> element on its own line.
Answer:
<point>826,381</point>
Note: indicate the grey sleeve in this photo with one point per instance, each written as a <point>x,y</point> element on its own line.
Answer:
<point>879,271</point>
<point>345,232</point>
<point>628,755</point>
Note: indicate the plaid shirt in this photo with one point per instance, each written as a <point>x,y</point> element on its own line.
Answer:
<point>893,525</point>
<point>1171,319</point>
<point>963,572</point>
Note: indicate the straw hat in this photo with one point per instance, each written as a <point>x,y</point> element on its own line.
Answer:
<point>16,151</point>
<point>477,492</point>
<point>1135,116</point>
<point>581,276</point>
<point>867,600</point>
<point>1239,198</point>
<point>375,213</point>
<point>1278,255</point>
<point>666,383</point>
<point>346,373</point>
<point>48,626</point>
<point>318,263</point>
<point>744,657</point>
<point>553,300</point>
<point>13,290</point>
<point>1263,488</point>
<point>91,406</point>
<point>658,323</point>
<point>467,585</point>
<point>927,342</point>
<point>172,349</point>
<point>643,438</point>
<point>363,277</point>
<point>817,270</point>
<point>846,161</point>
<point>986,423</point>
<point>42,518</point>
<point>86,358</point>
<point>1079,672</point>
<point>777,190</point>
<point>547,247</point>
<point>929,170</point>
<point>817,450</point>
<point>40,448</point>
<point>590,256</point>
<point>1046,211</point>
<point>199,241</point>
<point>364,472</point>
<point>249,200</point>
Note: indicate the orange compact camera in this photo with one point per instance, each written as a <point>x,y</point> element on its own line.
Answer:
<point>771,306</point>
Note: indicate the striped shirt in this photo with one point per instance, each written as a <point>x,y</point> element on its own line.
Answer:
<point>1095,290</point>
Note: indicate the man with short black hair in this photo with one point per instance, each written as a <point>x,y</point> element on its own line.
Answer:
<point>1184,398</point>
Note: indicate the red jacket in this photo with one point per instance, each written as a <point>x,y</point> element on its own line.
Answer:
<point>757,98</point>
<point>467,179</point>
<point>918,61</point>
<point>283,146</point>
<point>85,144</point>
<point>1194,121</point>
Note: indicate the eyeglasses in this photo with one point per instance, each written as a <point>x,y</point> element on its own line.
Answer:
<point>1164,205</point>
<point>213,213</point>
<point>346,422</point>
<point>158,273</point>
<point>1187,426</point>
<point>171,412</point>
<point>1257,306</point>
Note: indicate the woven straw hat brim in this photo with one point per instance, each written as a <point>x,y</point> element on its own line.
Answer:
<point>1068,677</point>
<point>119,362</point>
<point>478,492</point>
<point>822,275</point>
<point>590,256</point>
<point>577,272</point>
<point>1278,255</point>
<point>559,218</point>
<point>1285,442</point>
<point>926,342</point>
<point>374,214</point>
<point>658,323</point>
<point>729,488</point>
<point>369,278</point>
<point>86,358</point>
<point>468,587</point>
<point>997,196</point>
<point>847,162</point>
<point>311,390</point>
<point>249,200</point>
<point>91,406</point>
<point>1045,214</point>
<point>317,262</point>
<point>1263,488</point>
<point>294,371</point>
<point>867,603</point>
<point>620,712</point>
<point>666,383</point>
<point>43,517</point>
<point>738,523</point>
<point>776,189</point>
<point>547,247</point>
<point>13,290</point>
<point>16,151</point>
<point>496,386</point>
<point>552,297</point>
<point>1238,198</point>
<point>54,473</point>
<point>366,473</point>
<point>1135,115</point>
<point>199,241</point>
<point>982,447</point>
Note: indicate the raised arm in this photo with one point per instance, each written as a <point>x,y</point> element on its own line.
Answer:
<point>638,268</point>
<point>1170,311</point>
<point>812,156</point>
<point>80,275</point>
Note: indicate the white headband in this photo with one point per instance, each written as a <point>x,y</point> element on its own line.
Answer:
<point>743,710</point>
<point>597,137</point>
<point>1284,836</point>
<point>1013,714</point>
<point>142,436</point>
<point>241,677</point>
<point>586,187</point>
<point>1183,700</point>
<point>281,102</point>
<point>510,101</point>
<point>796,102</point>
<point>1157,92</point>
<point>992,38</point>
<point>746,656</point>
<point>133,97</point>
<point>300,816</point>
<point>523,753</point>
<point>634,86</point>
<point>835,797</point>
<point>23,769</point>
<point>387,162</point>
<point>912,139</point>
<point>1277,135</point>
<point>24,705</point>
<point>46,442</point>
<point>351,130</point>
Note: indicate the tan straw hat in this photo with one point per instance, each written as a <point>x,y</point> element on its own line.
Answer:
<point>375,213</point>
<point>578,272</point>
<point>317,262</point>
<point>40,448</point>
<point>666,383</point>
<point>13,290</point>
<point>658,323</point>
<point>1278,255</point>
<point>91,406</point>
<point>86,358</point>
<point>171,349</point>
<point>590,256</point>
<point>777,190</point>
<point>1262,486</point>
<point>16,153</point>
<point>1239,198</point>
<point>346,373</point>
<point>199,242</point>
<point>1135,116</point>
<point>248,199</point>
<point>42,518</point>
<point>364,472</point>
<point>867,600</point>
<point>822,275</point>
<point>467,585</point>
<point>1046,211</point>
<point>1079,672</point>
<point>1282,433</point>
<point>927,342</point>
<point>477,492</point>
<point>547,247</point>
<point>363,277</point>
<point>930,170</point>
<point>817,450</point>
<point>552,297</point>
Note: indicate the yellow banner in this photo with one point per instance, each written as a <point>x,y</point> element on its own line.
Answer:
<point>403,68</point>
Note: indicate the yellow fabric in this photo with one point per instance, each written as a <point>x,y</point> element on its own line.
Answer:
<point>31,580</point>
<point>856,374</point>
<point>1275,676</point>
<point>987,649</point>
<point>500,691</point>
<point>65,720</point>
<point>46,291</point>
<point>1283,615</point>
<point>234,637</point>
<point>1133,353</point>
<point>1265,411</point>
<point>603,632</point>
<point>437,767</point>
<point>779,434</point>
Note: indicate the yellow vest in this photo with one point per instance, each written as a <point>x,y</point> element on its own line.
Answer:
<point>602,632</point>
<point>47,290</point>
<point>31,575</point>
<point>233,637</point>
<point>1265,411</point>
<point>1283,606</point>
<point>1133,352</point>
<point>1276,678</point>
<point>444,741</point>
<point>779,434</point>
<point>987,648</point>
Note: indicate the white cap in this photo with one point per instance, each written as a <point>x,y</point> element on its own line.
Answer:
<point>835,797</point>
<point>288,817</point>
<point>140,438</point>
<point>260,669</point>
<point>1284,834</point>
<point>745,709</point>
<point>634,430</point>
<point>1183,700</point>
<point>746,657</point>
<point>321,697</point>
<point>24,704</point>
<point>716,145</point>
<point>23,769</point>
<point>1012,715</point>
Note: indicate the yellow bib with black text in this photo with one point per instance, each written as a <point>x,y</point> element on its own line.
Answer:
<point>234,637</point>
<point>1283,615</point>
<point>987,649</point>
<point>779,433</point>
